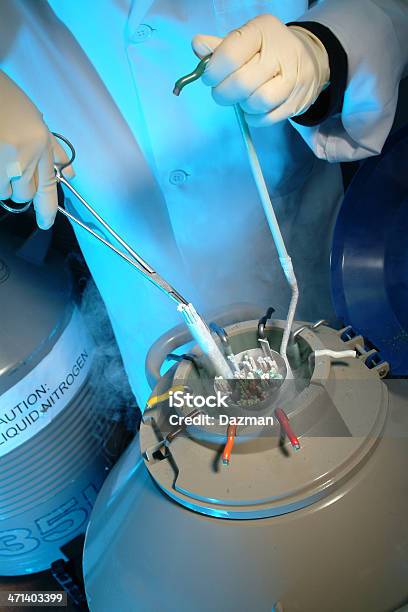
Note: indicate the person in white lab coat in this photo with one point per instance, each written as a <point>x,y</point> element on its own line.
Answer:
<point>170,174</point>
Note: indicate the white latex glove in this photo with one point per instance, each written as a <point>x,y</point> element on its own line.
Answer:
<point>271,70</point>
<point>27,154</point>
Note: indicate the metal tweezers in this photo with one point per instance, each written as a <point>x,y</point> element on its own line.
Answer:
<point>130,256</point>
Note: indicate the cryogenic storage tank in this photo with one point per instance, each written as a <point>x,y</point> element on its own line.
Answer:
<point>317,529</point>
<point>52,429</point>
<point>321,528</point>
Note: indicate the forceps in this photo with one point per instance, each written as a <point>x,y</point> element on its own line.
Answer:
<point>131,257</point>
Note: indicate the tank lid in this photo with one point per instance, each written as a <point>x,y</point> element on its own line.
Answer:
<point>338,417</point>
<point>34,299</point>
<point>369,262</point>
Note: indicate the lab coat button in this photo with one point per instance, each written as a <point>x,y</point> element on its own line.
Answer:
<point>177,177</point>
<point>142,33</point>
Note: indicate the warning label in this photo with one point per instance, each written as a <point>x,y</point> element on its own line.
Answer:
<point>48,388</point>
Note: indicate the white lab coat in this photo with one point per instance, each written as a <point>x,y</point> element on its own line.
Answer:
<point>170,174</point>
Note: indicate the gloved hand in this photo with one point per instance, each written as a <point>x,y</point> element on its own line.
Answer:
<point>27,154</point>
<point>271,70</point>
